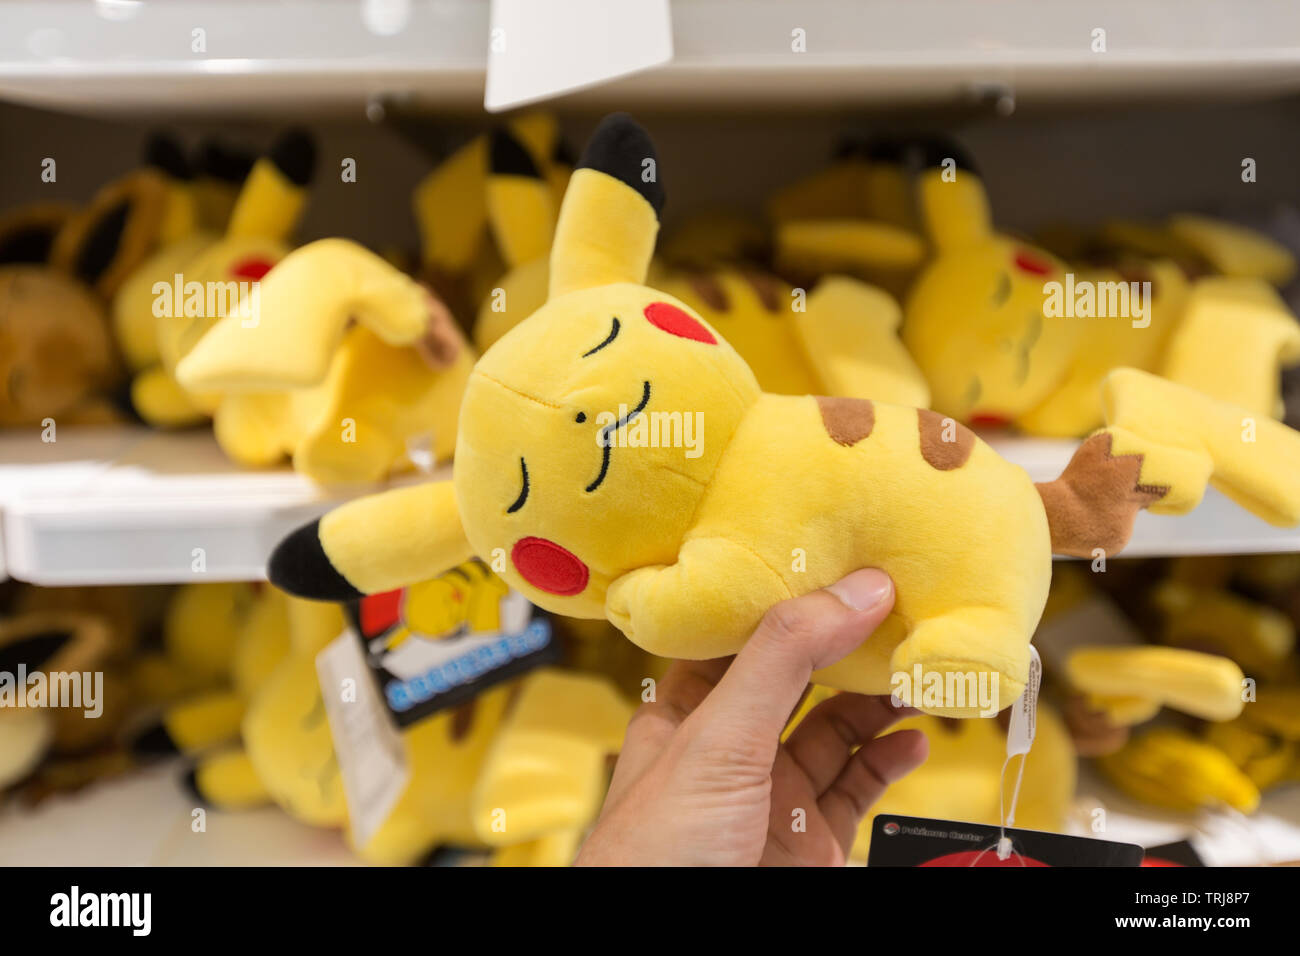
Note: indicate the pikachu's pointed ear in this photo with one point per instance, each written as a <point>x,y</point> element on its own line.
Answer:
<point>954,206</point>
<point>373,544</point>
<point>610,216</point>
<point>275,192</point>
<point>520,201</point>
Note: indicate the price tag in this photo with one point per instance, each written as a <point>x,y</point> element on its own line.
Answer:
<point>542,48</point>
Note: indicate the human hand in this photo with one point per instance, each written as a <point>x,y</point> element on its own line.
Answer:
<point>704,779</point>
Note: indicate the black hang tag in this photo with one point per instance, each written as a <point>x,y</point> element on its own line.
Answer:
<point>920,841</point>
<point>1181,853</point>
<point>441,642</point>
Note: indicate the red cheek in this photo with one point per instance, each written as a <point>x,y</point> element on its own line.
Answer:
<point>1027,261</point>
<point>548,567</point>
<point>253,268</point>
<point>674,321</point>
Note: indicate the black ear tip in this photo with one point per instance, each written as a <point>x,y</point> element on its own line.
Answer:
<point>884,150</point>
<point>562,154</point>
<point>163,152</point>
<point>300,566</point>
<point>507,156</point>
<point>154,742</point>
<point>621,148</point>
<point>294,154</point>
<point>223,162</point>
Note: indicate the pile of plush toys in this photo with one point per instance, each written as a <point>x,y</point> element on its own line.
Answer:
<point>841,363</point>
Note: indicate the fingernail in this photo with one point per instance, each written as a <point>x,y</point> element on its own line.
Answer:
<point>863,590</point>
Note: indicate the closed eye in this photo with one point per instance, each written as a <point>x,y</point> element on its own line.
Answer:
<point>523,493</point>
<point>613,334</point>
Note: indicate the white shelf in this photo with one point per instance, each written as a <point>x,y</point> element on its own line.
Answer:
<point>131,505</point>
<point>153,825</point>
<point>1217,526</point>
<point>123,55</point>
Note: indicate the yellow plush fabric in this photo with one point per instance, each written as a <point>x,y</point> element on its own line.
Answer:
<point>1234,250</point>
<point>574,462</point>
<point>1204,685</point>
<point>977,320</point>
<point>157,326</point>
<point>1234,337</point>
<point>545,772</point>
<point>342,400</point>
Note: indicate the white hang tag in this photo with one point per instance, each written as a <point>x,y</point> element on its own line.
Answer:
<point>541,48</point>
<point>1020,738</point>
<point>1024,712</point>
<point>371,755</point>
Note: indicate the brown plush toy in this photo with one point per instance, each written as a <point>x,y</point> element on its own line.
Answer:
<point>56,356</point>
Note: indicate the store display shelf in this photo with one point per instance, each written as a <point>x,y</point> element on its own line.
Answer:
<point>154,825</point>
<point>134,506</point>
<point>131,54</point>
<point>1217,526</point>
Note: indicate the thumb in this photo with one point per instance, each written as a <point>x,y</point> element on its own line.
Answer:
<point>756,696</point>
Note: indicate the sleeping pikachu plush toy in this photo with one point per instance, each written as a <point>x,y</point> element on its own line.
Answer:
<point>978,319</point>
<point>557,476</point>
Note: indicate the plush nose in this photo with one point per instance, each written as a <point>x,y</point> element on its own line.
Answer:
<point>549,567</point>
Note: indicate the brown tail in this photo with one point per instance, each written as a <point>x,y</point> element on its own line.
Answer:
<point>1092,505</point>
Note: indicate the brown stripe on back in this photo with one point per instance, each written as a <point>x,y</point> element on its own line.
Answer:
<point>765,287</point>
<point>710,290</point>
<point>847,420</point>
<point>945,443</point>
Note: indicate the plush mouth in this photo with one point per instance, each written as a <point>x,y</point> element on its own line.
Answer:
<point>607,435</point>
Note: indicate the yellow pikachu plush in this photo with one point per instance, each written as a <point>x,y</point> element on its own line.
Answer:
<point>571,461</point>
<point>341,400</point>
<point>344,401</point>
<point>227,639</point>
<point>189,283</point>
<point>520,769</point>
<point>993,324</point>
<point>854,216</point>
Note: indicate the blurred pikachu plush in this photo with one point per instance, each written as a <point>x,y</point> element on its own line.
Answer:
<point>556,468</point>
<point>855,216</point>
<point>986,320</point>
<point>478,223</point>
<point>222,641</point>
<point>843,340</point>
<point>521,768</point>
<point>167,304</point>
<point>345,401</point>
